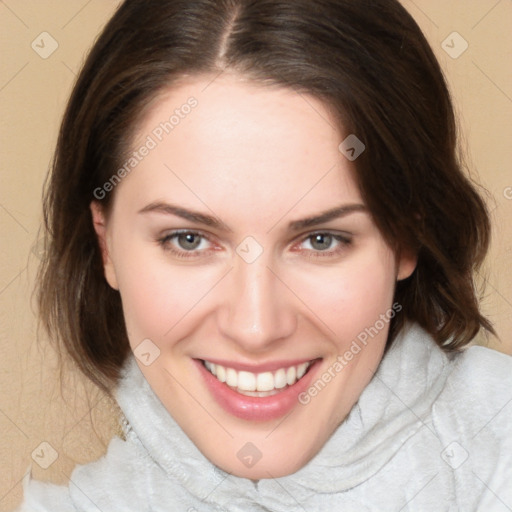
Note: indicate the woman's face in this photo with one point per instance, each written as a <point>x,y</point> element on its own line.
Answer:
<point>241,246</point>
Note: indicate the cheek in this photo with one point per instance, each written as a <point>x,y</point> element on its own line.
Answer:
<point>157,297</point>
<point>352,296</point>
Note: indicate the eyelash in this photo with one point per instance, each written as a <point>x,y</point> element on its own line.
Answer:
<point>343,240</point>
<point>165,242</point>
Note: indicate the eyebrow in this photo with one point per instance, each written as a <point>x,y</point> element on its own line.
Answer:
<point>328,215</point>
<point>214,222</point>
<point>191,215</point>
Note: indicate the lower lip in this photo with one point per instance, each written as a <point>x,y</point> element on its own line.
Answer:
<point>253,408</point>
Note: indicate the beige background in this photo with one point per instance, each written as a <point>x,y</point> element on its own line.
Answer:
<point>33,92</point>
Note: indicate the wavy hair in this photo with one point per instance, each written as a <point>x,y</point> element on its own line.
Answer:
<point>365,59</point>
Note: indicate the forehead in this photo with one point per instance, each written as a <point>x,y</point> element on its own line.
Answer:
<point>254,144</point>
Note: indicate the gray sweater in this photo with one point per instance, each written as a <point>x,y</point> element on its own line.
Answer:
<point>431,432</point>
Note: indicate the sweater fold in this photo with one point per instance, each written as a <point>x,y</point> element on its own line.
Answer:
<point>431,431</point>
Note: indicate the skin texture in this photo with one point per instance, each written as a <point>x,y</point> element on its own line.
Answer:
<point>256,158</point>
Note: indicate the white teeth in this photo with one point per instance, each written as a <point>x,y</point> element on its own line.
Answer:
<point>261,384</point>
<point>301,370</point>
<point>291,375</point>
<point>247,381</point>
<point>221,373</point>
<point>280,379</point>
<point>265,381</point>
<point>231,377</point>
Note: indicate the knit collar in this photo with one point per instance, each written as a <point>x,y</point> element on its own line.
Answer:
<point>393,407</point>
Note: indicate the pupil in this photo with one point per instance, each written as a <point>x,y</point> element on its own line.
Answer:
<point>188,241</point>
<point>321,242</point>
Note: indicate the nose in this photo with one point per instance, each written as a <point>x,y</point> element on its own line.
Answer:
<point>257,309</point>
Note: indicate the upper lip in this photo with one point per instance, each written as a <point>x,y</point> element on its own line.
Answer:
<point>259,368</point>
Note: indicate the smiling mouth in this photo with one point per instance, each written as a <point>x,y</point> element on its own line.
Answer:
<point>258,384</point>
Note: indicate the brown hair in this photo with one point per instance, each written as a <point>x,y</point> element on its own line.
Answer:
<point>366,59</point>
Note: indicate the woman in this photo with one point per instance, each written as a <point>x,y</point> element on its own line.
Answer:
<point>260,230</point>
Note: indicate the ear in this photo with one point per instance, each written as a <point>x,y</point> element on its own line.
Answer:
<point>406,263</point>
<point>100,226</point>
